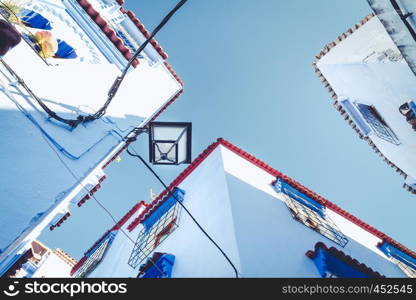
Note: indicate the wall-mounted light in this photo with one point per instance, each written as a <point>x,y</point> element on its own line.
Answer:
<point>170,143</point>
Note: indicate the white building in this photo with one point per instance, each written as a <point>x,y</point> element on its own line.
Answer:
<point>41,262</point>
<point>49,168</point>
<point>268,224</point>
<point>369,72</point>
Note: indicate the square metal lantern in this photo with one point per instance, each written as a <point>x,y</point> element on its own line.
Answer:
<point>170,143</point>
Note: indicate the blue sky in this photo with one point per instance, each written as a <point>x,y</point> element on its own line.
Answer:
<point>247,67</point>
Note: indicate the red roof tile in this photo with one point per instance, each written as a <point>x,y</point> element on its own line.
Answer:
<point>91,192</point>
<point>117,226</point>
<point>174,98</point>
<point>345,258</point>
<point>267,168</point>
<point>169,67</point>
<point>105,27</point>
<point>339,107</point>
<point>61,220</point>
<point>146,33</point>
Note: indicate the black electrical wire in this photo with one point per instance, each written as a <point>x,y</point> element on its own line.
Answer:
<point>115,86</point>
<point>171,194</point>
<point>117,83</point>
<point>98,202</point>
<point>403,17</point>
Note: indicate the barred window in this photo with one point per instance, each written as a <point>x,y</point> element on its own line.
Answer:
<point>95,255</point>
<point>410,272</point>
<point>156,228</point>
<point>403,260</point>
<point>377,123</point>
<point>310,213</point>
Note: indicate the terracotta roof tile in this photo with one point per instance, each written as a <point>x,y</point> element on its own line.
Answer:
<point>117,226</point>
<point>328,204</point>
<point>65,257</point>
<point>105,27</point>
<point>338,106</point>
<point>144,31</point>
<point>345,258</point>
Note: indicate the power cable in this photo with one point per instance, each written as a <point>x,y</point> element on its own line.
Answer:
<point>115,86</point>
<point>98,202</point>
<point>171,194</point>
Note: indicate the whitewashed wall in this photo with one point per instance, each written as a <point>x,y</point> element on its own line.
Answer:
<point>53,267</point>
<point>234,201</point>
<point>34,181</point>
<point>357,71</point>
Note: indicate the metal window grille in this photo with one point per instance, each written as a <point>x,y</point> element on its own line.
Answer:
<point>409,271</point>
<point>94,258</point>
<point>377,124</point>
<point>310,218</point>
<point>149,239</point>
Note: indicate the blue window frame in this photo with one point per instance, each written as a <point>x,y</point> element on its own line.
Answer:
<point>127,42</point>
<point>377,124</point>
<point>309,212</point>
<point>404,261</point>
<point>159,266</point>
<point>34,19</point>
<point>65,50</point>
<point>412,106</point>
<point>332,262</point>
<point>355,115</point>
<point>157,227</point>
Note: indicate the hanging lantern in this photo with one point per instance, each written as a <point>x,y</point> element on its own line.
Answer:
<point>170,143</point>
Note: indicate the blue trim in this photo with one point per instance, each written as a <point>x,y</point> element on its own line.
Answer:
<point>97,36</point>
<point>126,41</point>
<point>283,187</point>
<point>163,208</point>
<point>34,19</point>
<point>412,106</point>
<point>164,263</point>
<point>65,50</point>
<point>9,263</point>
<point>356,116</point>
<point>326,263</point>
<point>391,251</point>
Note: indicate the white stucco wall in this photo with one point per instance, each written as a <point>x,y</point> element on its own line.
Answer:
<point>34,181</point>
<point>356,70</point>
<point>53,267</point>
<point>235,202</point>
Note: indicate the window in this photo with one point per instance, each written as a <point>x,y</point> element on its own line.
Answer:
<point>333,263</point>
<point>95,255</point>
<point>409,271</point>
<point>403,260</point>
<point>159,266</point>
<point>127,41</point>
<point>33,19</point>
<point>25,34</point>
<point>156,228</point>
<point>377,123</point>
<point>310,213</point>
